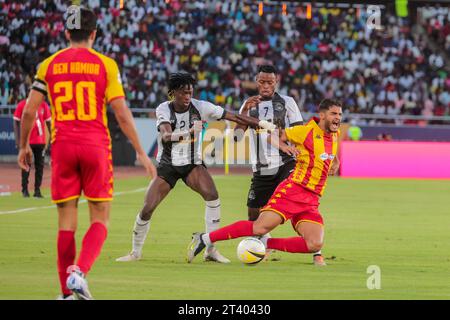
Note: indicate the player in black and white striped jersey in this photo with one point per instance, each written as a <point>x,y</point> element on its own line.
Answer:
<point>179,123</point>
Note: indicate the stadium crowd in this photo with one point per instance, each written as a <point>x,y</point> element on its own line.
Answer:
<point>390,71</point>
<point>437,23</point>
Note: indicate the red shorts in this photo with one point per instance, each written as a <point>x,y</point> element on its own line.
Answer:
<point>78,167</point>
<point>294,202</point>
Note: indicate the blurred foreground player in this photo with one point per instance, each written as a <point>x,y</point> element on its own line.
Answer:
<point>297,197</point>
<point>179,157</point>
<point>79,82</point>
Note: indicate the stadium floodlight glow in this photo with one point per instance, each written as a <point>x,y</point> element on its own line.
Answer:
<point>308,11</point>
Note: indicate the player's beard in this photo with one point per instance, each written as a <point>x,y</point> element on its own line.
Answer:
<point>332,127</point>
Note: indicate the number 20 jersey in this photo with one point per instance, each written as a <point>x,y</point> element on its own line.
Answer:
<point>79,82</point>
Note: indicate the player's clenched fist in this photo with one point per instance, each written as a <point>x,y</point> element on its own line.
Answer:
<point>251,102</point>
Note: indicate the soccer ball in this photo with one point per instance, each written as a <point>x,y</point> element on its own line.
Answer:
<point>251,251</point>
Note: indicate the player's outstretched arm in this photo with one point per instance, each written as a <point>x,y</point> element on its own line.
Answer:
<point>35,98</point>
<point>278,139</point>
<point>125,119</point>
<point>249,121</point>
<point>168,135</point>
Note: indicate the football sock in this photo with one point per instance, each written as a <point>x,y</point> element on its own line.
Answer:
<point>212,215</point>
<point>294,244</point>
<point>318,253</point>
<point>66,257</point>
<point>140,231</point>
<point>238,229</point>
<point>264,238</point>
<point>92,245</point>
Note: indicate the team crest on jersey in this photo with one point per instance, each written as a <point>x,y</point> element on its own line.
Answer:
<point>277,106</point>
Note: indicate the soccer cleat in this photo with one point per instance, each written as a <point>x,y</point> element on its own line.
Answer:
<point>61,297</point>
<point>78,284</point>
<point>318,260</point>
<point>25,193</point>
<point>132,256</point>
<point>195,247</point>
<point>212,254</point>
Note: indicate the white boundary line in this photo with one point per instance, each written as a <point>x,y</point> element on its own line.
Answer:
<point>81,201</point>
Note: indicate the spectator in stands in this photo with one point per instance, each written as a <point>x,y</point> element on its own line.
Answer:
<point>354,132</point>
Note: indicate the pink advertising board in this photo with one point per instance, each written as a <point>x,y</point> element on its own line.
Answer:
<point>392,159</point>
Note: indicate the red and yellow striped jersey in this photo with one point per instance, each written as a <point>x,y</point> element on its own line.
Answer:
<point>317,152</point>
<point>79,82</point>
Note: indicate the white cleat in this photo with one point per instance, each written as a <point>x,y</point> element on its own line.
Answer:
<point>61,297</point>
<point>78,284</point>
<point>133,256</point>
<point>212,254</point>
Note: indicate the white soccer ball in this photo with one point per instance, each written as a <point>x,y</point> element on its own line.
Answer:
<point>251,251</point>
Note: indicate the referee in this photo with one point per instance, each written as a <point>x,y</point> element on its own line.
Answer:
<point>37,143</point>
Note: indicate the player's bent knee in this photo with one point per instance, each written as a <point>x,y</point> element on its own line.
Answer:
<point>314,245</point>
<point>260,230</point>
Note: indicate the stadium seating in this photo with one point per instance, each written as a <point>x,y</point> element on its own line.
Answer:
<point>390,71</point>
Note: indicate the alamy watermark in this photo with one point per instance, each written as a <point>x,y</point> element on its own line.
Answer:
<point>374,18</point>
<point>73,17</point>
<point>374,280</point>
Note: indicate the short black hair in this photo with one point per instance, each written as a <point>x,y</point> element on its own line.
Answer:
<point>88,23</point>
<point>267,68</point>
<point>178,80</point>
<point>326,104</point>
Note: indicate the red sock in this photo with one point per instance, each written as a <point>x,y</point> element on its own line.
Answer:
<point>294,245</point>
<point>92,245</point>
<point>235,230</point>
<point>66,256</point>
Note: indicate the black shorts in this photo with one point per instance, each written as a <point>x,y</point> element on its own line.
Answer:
<point>171,174</point>
<point>263,186</point>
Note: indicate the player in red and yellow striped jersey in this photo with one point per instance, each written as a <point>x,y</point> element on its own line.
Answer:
<point>79,82</point>
<point>297,197</point>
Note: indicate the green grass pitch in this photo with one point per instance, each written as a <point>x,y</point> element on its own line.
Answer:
<point>402,226</point>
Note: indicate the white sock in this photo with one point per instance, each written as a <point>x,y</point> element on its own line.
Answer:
<point>206,239</point>
<point>318,253</point>
<point>212,215</point>
<point>140,231</point>
<point>264,238</point>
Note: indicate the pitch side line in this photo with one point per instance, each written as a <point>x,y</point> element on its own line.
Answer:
<point>54,206</point>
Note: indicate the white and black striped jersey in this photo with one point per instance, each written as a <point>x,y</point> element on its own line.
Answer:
<point>281,110</point>
<point>186,151</point>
